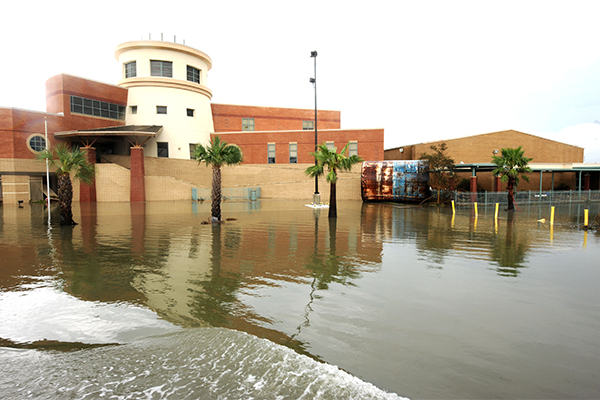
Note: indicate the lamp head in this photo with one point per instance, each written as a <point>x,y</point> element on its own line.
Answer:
<point>313,53</point>
<point>312,80</point>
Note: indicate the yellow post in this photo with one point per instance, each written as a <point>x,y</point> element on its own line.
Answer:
<point>496,212</point>
<point>452,222</point>
<point>585,217</point>
<point>453,209</point>
<point>551,215</point>
<point>475,204</point>
<point>584,239</point>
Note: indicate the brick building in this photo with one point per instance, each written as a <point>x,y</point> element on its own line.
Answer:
<point>556,164</point>
<point>160,109</point>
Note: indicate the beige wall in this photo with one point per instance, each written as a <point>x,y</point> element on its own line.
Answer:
<point>172,179</point>
<point>480,148</point>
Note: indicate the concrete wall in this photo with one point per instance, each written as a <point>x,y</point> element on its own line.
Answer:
<point>171,179</point>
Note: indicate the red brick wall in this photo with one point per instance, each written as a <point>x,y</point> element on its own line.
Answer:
<point>17,125</point>
<point>60,87</point>
<point>254,144</point>
<point>228,118</point>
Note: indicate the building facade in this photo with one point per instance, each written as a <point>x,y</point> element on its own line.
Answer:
<point>555,164</point>
<point>161,108</point>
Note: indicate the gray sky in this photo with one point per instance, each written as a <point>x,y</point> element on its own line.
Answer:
<point>422,70</point>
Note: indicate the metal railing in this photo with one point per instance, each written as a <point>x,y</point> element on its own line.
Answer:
<point>526,197</point>
<point>244,193</point>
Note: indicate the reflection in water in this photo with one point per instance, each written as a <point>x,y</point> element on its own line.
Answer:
<point>401,296</point>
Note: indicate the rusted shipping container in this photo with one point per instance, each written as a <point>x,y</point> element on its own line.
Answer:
<point>403,181</point>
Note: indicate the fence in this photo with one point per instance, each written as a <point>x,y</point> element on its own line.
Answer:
<point>526,197</point>
<point>246,193</point>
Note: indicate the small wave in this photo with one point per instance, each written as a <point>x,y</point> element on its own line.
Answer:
<point>213,363</point>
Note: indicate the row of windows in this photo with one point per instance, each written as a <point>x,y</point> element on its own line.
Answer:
<point>190,112</point>
<point>163,69</point>
<point>293,151</point>
<point>248,125</point>
<point>81,105</point>
<point>163,150</point>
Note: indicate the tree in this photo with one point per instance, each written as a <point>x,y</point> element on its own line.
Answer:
<point>217,154</point>
<point>68,162</point>
<point>439,166</point>
<point>334,162</point>
<point>509,166</point>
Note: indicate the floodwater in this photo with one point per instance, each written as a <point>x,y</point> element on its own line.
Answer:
<point>387,301</point>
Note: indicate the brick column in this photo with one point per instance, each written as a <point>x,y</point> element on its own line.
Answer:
<point>586,181</point>
<point>474,188</point>
<point>137,186</point>
<point>497,184</point>
<point>87,193</point>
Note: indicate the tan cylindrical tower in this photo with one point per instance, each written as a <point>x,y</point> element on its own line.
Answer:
<point>166,85</point>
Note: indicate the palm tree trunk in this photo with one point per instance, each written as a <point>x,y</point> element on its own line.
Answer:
<point>332,201</point>
<point>65,197</point>
<point>511,194</point>
<point>216,194</point>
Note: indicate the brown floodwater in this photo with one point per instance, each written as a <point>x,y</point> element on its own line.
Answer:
<point>387,300</point>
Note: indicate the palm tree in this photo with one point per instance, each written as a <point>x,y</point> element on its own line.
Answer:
<point>509,166</point>
<point>68,161</point>
<point>217,154</point>
<point>334,162</point>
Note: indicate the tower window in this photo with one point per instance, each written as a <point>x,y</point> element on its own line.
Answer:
<point>161,68</point>
<point>133,109</point>
<point>162,149</point>
<point>247,124</point>
<point>130,70</point>
<point>161,109</point>
<point>193,74</point>
<point>190,112</point>
<point>271,153</point>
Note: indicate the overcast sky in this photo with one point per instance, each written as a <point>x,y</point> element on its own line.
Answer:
<point>422,70</point>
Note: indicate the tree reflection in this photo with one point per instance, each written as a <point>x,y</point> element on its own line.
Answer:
<point>509,252</point>
<point>326,268</point>
<point>214,298</point>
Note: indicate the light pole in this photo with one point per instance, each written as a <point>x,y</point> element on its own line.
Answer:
<point>47,168</point>
<point>316,195</point>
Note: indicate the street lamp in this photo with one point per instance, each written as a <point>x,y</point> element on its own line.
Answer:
<point>316,195</point>
<point>47,167</point>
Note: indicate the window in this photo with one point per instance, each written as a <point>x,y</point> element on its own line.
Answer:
<point>308,125</point>
<point>247,124</point>
<point>37,143</point>
<point>330,146</point>
<point>133,109</point>
<point>193,74</point>
<point>192,151</point>
<point>161,68</point>
<point>162,149</point>
<point>293,153</point>
<point>190,112</point>
<point>353,148</point>
<point>130,70</point>
<point>271,153</point>
<point>81,105</point>
<point>161,109</point>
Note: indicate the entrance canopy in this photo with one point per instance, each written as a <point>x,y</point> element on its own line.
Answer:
<point>136,135</point>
